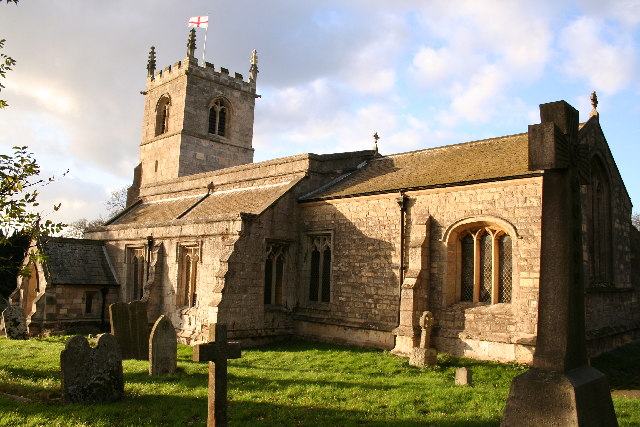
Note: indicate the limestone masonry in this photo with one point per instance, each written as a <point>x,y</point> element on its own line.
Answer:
<point>347,248</point>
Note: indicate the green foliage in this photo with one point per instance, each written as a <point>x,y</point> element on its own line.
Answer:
<point>6,64</point>
<point>292,383</point>
<point>19,183</point>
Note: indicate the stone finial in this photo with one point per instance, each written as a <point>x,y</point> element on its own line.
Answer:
<point>253,70</point>
<point>191,43</point>
<point>594,104</point>
<point>375,142</point>
<point>151,63</point>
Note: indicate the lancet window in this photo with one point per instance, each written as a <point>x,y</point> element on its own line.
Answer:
<point>162,115</point>
<point>274,273</point>
<point>136,273</point>
<point>320,271</point>
<point>600,242</point>
<point>189,256</point>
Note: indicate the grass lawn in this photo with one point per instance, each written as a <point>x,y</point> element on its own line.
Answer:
<point>292,383</point>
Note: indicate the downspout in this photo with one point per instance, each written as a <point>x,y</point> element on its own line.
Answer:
<point>402,203</point>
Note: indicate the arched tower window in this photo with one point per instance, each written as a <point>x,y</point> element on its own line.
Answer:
<point>218,117</point>
<point>599,215</point>
<point>484,260</point>
<point>162,115</point>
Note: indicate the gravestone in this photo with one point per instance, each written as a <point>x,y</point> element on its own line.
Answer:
<point>464,376</point>
<point>216,352</point>
<point>91,375</point>
<point>15,325</point>
<point>163,348</point>
<point>560,389</point>
<point>423,355</point>
<point>130,326</point>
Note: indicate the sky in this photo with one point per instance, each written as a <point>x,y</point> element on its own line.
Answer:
<point>419,73</point>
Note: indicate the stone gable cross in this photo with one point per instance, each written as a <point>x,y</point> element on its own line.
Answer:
<point>216,352</point>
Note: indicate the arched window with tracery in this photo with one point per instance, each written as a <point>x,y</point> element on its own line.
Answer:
<point>136,273</point>
<point>320,269</point>
<point>599,214</point>
<point>162,115</point>
<point>218,117</point>
<point>274,274</point>
<point>187,292</point>
<point>485,265</point>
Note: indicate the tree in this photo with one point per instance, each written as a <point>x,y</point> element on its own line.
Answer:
<point>117,202</point>
<point>635,220</point>
<point>6,64</point>
<point>19,183</point>
<point>77,228</point>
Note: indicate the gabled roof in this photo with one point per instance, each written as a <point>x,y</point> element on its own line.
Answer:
<point>217,205</point>
<point>478,161</point>
<point>77,262</point>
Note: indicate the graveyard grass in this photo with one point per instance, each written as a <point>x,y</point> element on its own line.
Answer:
<point>293,383</point>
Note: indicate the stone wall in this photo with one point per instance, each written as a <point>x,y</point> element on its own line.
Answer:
<point>365,281</point>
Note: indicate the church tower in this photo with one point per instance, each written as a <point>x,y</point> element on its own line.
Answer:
<point>196,119</point>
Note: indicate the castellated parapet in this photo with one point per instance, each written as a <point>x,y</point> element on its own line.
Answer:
<point>196,119</point>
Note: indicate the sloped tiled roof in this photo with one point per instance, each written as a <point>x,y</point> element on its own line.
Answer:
<point>494,158</point>
<point>77,262</point>
<point>219,205</point>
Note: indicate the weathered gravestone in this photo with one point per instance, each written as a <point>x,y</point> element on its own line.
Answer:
<point>163,348</point>
<point>560,389</point>
<point>15,325</point>
<point>464,376</point>
<point>216,352</point>
<point>91,375</point>
<point>130,326</point>
<point>423,355</point>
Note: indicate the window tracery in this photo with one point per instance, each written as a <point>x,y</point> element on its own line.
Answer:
<point>218,115</point>
<point>320,273</point>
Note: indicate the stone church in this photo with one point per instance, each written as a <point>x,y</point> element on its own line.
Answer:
<point>348,247</point>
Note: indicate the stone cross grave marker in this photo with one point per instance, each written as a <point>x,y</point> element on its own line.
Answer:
<point>561,389</point>
<point>91,375</point>
<point>216,352</point>
<point>423,355</point>
<point>130,326</point>
<point>163,347</point>
<point>15,325</point>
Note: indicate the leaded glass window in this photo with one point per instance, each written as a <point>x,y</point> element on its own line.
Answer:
<point>187,292</point>
<point>136,270</point>
<point>485,266</point>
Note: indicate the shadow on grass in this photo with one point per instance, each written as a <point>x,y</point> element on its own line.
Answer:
<point>621,367</point>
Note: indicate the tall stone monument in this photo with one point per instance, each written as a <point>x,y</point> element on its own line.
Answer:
<point>560,389</point>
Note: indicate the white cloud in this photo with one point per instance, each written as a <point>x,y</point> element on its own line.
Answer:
<point>608,65</point>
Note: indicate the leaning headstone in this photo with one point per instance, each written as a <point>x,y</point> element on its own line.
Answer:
<point>216,352</point>
<point>423,355</point>
<point>15,325</point>
<point>561,389</point>
<point>129,326</point>
<point>163,348</point>
<point>91,375</point>
<point>464,376</point>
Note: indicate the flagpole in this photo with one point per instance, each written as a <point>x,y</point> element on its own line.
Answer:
<point>204,48</point>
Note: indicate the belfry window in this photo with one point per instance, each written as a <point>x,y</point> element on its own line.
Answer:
<point>485,266</point>
<point>188,270</point>
<point>162,115</point>
<point>274,274</point>
<point>320,273</point>
<point>218,115</point>
<point>136,273</point>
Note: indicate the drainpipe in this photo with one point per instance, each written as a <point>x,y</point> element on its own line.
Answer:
<point>402,203</point>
